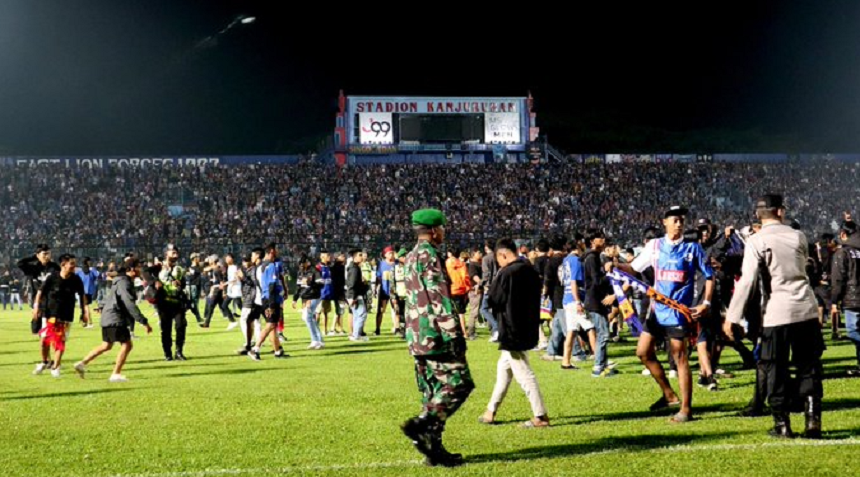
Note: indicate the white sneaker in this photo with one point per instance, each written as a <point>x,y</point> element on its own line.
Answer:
<point>354,339</point>
<point>55,373</point>
<point>80,368</point>
<point>646,372</point>
<point>541,346</point>
<point>331,333</point>
<point>611,364</point>
<point>320,345</point>
<point>673,374</point>
<point>495,337</point>
<point>313,345</point>
<point>233,325</point>
<point>118,378</point>
<point>40,368</point>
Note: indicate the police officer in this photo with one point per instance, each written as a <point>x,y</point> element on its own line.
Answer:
<point>845,280</point>
<point>171,304</point>
<point>777,256</point>
<point>436,341</point>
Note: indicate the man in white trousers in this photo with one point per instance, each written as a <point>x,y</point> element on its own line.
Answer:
<point>514,297</point>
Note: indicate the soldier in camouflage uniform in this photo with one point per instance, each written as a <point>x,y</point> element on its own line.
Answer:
<point>436,341</point>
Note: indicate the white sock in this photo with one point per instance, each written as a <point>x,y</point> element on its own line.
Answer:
<point>244,327</point>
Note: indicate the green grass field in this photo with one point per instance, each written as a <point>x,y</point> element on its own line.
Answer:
<point>337,412</point>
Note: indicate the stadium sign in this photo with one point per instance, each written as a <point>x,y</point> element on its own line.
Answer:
<point>102,162</point>
<point>434,105</point>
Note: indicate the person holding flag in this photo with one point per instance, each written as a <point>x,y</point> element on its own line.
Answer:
<point>675,263</point>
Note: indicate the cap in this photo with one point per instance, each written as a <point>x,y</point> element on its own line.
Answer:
<point>402,252</point>
<point>387,249</point>
<point>703,223</point>
<point>769,201</point>
<point>194,255</point>
<point>676,211</point>
<point>429,218</point>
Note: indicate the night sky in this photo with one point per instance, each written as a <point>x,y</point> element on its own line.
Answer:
<point>103,77</point>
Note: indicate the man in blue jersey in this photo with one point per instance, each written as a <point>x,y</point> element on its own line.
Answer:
<point>572,278</point>
<point>90,277</point>
<point>384,281</point>
<point>675,263</point>
<point>271,293</point>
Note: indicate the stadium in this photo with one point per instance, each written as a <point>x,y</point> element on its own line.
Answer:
<point>202,274</point>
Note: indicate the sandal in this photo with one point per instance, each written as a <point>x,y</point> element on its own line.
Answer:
<point>663,403</point>
<point>569,367</point>
<point>484,420</point>
<point>532,424</point>
<point>680,418</point>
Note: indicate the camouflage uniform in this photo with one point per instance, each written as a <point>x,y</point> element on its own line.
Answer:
<point>434,335</point>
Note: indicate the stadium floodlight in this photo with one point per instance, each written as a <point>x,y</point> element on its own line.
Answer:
<point>212,40</point>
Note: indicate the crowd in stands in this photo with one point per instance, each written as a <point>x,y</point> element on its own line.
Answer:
<point>213,209</point>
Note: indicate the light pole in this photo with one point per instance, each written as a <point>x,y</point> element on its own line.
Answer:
<point>212,40</point>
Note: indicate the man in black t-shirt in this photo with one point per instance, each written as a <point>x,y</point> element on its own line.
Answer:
<point>15,294</point>
<point>826,247</point>
<point>36,269</point>
<point>554,290</point>
<point>5,282</point>
<point>476,294</point>
<point>542,257</point>
<point>56,301</point>
<point>215,277</point>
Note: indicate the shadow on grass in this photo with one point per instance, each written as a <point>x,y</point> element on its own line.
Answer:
<point>838,372</point>
<point>839,435</point>
<point>608,444</point>
<point>175,365</point>
<point>191,359</point>
<point>223,372</point>
<point>359,350</point>
<point>698,411</point>
<point>837,359</point>
<point>28,363</point>
<point>66,395</point>
<point>839,404</point>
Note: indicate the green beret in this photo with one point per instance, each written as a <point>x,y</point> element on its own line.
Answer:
<point>402,252</point>
<point>428,218</point>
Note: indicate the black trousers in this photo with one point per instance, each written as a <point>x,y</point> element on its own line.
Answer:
<point>221,303</point>
<point>401,312</point>
<point>255,312</point>
<point>797,344</point>
<point>236,302</point>
<point>194,299</point>
<point>172,315</point>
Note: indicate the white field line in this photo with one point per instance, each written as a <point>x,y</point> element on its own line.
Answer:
<point>410,463</point>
